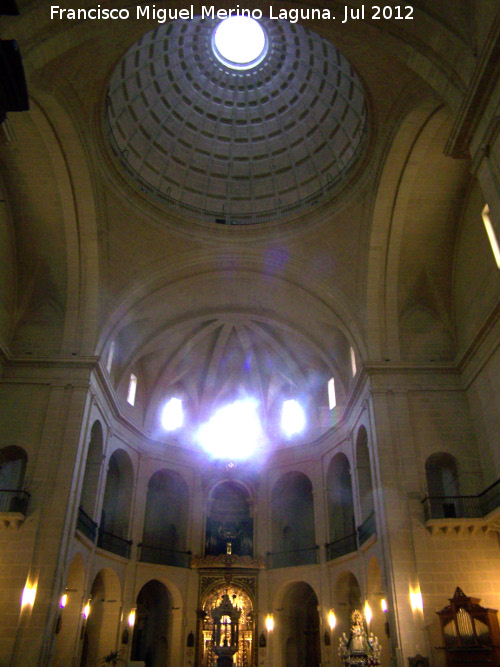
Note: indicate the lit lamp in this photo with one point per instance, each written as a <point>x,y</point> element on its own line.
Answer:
<point>368,613</point>
<point>383,604</point>
<point>332,621</point>
<point>62,603</point>
<point>130,624</point>
<point>269,622</point>
<point>28,596</point>
<point>416,601</point>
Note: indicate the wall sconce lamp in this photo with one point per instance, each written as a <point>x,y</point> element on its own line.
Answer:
<point>383,604</point>
<point>62,603</point>
<point>269,622</point>
<point>332,621</point>
<point>28,596</point>
<point>368,613</point>
<point>131,618</point>
<point>86,610</point>
<point>416,601</point>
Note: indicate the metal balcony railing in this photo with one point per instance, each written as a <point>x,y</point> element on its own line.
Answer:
<point>113,543</point>
<point>341,547</point>
<point>14,500</point>
<point>452,507</point>
<point>305,556</point>
<point>367,528</point>
<point>463,507</point>
<point>161,556</point>
<point>85,525</point>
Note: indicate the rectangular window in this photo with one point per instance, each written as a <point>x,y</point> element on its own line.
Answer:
<point>353,362</point>
<point>111,354</point>
<point>332,401</point>
<point>132,387</point>
<point>491,234</point>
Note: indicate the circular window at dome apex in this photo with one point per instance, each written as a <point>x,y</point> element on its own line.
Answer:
<point>266,139</point>
<point>240,42</point>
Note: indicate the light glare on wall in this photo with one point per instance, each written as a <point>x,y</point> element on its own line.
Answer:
<point>269,622</point>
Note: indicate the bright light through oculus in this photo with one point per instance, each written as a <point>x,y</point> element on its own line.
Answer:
<point>293,418</point>
<point>172,416</point>
<point>240,42</point>
<point>234,431</point>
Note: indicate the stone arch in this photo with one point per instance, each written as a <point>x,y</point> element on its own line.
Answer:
<point>396,267</point>
<point>101,628</point>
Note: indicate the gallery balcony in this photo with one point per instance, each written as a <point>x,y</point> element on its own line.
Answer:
<point>292,558</point>
<point>13,506</point>
<point>113,543</point>
<point>341,547</point>
<point>161,556</point>
<point>85,525</point>
<point>467,512</point>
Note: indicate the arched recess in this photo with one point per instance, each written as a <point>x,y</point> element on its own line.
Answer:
<point>229,520</point>
<point>93,467</point>
<point>152,637</point>
<point>299,627</point>
<point>341,524</point>
<point>115,515</point>
<point>101,628</point>
<point>164,534</point>
<point>346,598</point>
<point>442,485</point>
<point>292,521</point>
<point>69,616</point>
<point>410,264</point>
<point>365,482</point>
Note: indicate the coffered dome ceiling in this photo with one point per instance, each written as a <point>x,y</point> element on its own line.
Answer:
<point>235,146</point>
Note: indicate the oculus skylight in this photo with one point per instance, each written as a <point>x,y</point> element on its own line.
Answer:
<point>239,42</point>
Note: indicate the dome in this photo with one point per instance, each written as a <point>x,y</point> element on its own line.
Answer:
<point>235,146</point>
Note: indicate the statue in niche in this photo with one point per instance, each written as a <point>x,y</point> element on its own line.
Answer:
<point>361,647</point>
